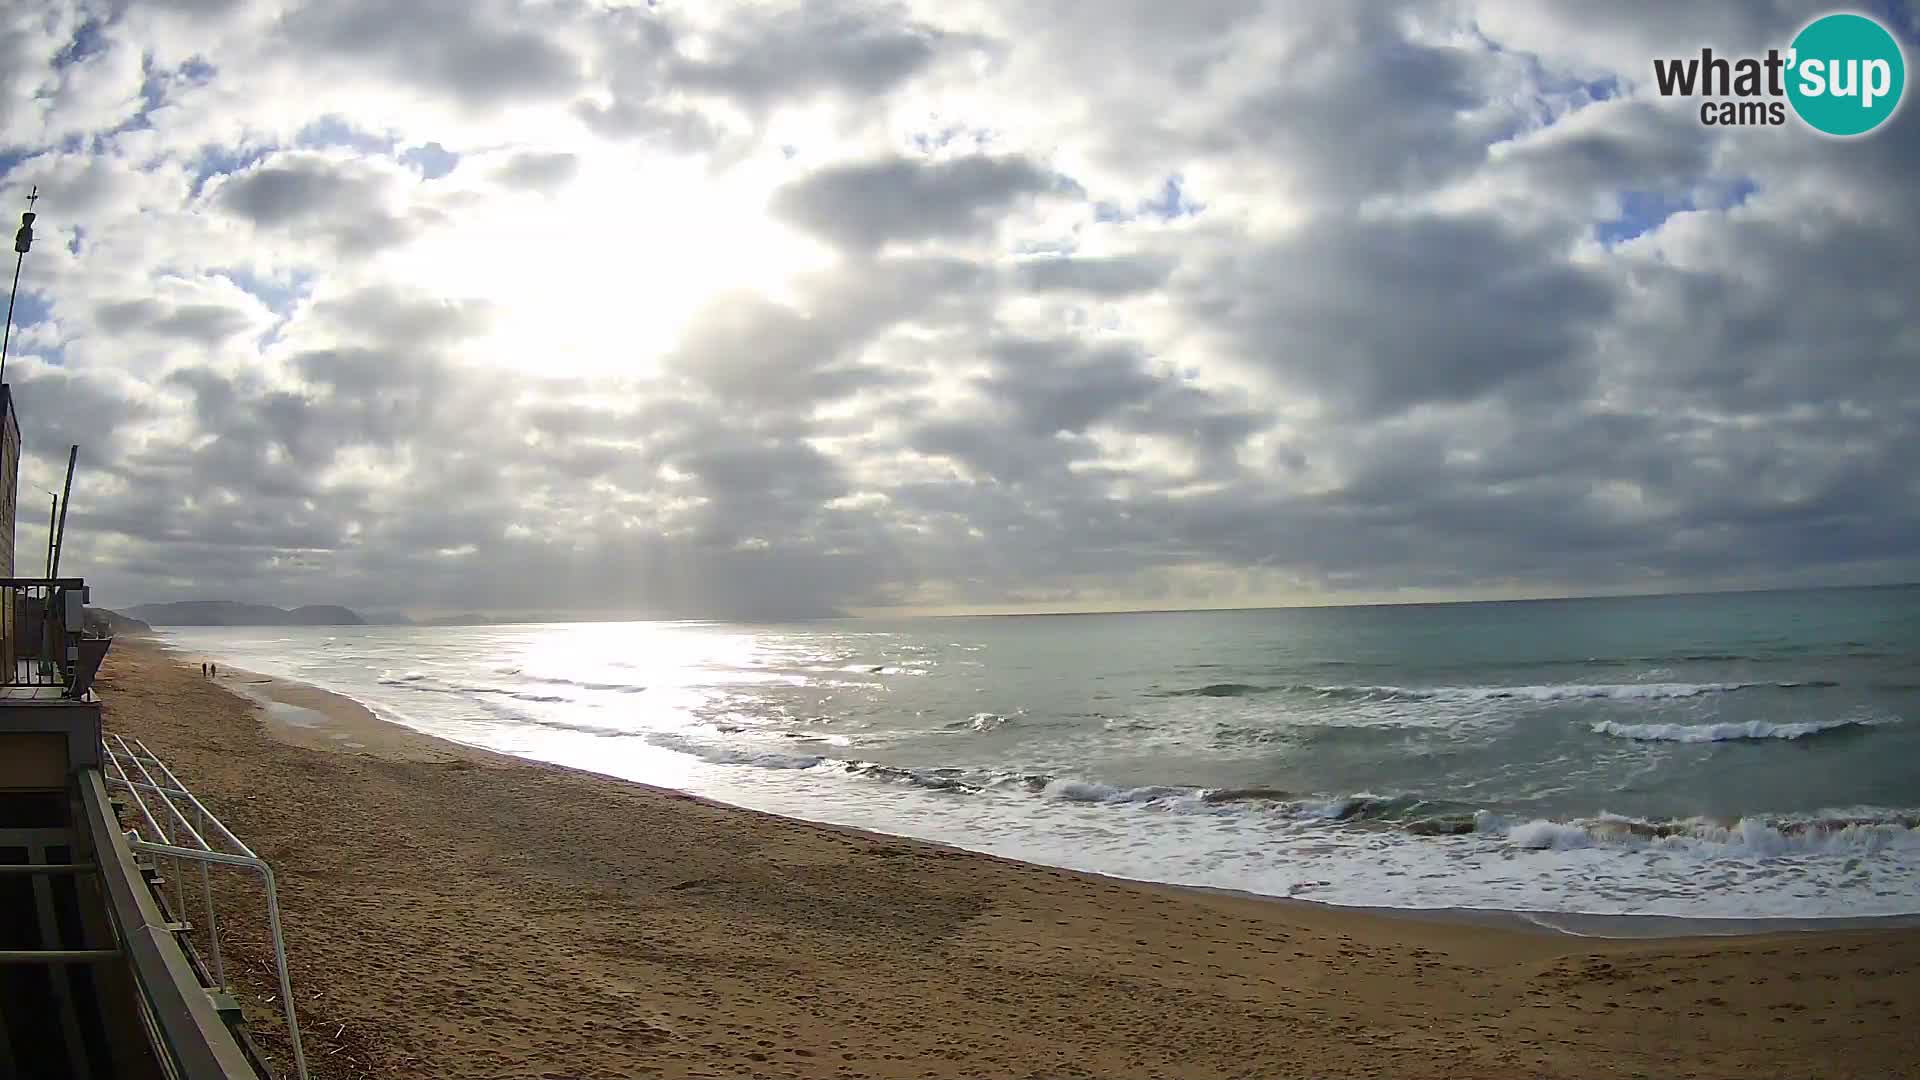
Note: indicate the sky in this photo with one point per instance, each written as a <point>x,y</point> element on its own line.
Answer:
<point>770,310</point>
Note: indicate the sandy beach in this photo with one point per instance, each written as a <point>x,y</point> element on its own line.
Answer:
<point>455,913</point>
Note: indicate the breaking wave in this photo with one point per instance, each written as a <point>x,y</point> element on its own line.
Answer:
<point>419,680</point>
<point>1748,836</point>
<point>1411,815</point>
<point>1727,731</point>
<point>1549,692</point>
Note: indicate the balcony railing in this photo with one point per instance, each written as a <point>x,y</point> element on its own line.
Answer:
<point>43,646</point>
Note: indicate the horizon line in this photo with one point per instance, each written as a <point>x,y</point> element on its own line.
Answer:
<point>873,613</point>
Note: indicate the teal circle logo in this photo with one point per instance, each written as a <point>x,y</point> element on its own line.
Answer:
<point>1846,74</point>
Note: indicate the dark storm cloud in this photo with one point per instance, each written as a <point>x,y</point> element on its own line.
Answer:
<point>865,205</point>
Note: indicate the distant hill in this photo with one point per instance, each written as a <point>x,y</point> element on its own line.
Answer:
<point>228,613</point>
<point>99,622</point>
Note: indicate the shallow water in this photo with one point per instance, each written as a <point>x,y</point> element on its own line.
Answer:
<point>1733,756</point>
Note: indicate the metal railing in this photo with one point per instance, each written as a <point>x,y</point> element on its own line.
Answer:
<point>42,635</point>
<point>184,837</point>
<point>172,1008</point>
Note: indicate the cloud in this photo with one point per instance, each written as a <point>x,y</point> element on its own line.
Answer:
<point>862,51</point>
<point>342,201</point>
<point>1100,275</point>
<point>758,311</point>
<point>482,54</point>
<point>539,171</point>
<point>1381,316</point>
<point>863,206</point>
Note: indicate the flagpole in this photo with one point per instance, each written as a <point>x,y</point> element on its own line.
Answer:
<point>22,243</point>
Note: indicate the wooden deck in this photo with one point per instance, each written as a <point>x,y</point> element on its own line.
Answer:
<point>18,694</point>
<point>34,680</point>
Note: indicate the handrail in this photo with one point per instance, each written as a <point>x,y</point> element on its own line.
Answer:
<point>43,634</point>
<point>181,1013</point>
<point>193,846</point>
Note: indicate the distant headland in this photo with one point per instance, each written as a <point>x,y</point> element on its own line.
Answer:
<point>229,613</point>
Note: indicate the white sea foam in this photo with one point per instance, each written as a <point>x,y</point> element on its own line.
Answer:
<point>1548,834</point>
<point>974,792</point>
<point>1749,837</point>
<point>1090,791</point>
<point>1722,732</point>
<point>1639,691</point>
<point>1614,691</point>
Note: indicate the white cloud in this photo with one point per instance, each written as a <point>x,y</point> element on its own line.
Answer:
<point>774,309</point>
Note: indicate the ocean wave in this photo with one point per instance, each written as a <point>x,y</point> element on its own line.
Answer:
<point>1415,813</point>
<point>1747,836</point>
<point>935,779</point>
<point>733,755</point>
<point>1415,816</point>
<point>1727,731</point>
<point>981,722</point>
<point>585,684</point>
<point>1624,691</point>
<point>1093,791</point>
<point>1542,693</point>
<point>418,680</point>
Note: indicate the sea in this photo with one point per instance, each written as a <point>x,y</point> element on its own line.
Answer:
<point>1745,756</point>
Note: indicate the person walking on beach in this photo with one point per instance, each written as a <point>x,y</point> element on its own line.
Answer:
<point>216,670</point>
<point>203,669</point>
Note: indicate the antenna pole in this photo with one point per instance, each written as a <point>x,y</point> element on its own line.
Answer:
<point>22,243</point>
<point>51,515</point>
<point>66,497</point>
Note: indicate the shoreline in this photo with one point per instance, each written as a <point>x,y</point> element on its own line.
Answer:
<point>457,913</point>
<point>361,720</point>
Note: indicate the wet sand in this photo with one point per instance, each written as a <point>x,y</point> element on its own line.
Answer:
<point>456,913</point>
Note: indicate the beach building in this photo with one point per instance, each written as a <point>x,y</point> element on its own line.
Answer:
<point>99,976</point>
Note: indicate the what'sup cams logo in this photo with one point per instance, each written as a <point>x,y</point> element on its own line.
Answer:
<point>1844,75</point>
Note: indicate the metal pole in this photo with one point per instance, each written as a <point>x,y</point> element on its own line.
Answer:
<point>7,337</point>
<point>268,884</point>
<point>213,924</point>
<point>22,242</point>
<point>280,961</point>
<point>66,497</point>
<point>51,515</point>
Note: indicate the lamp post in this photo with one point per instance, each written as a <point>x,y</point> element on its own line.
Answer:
<point>22,243</point>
